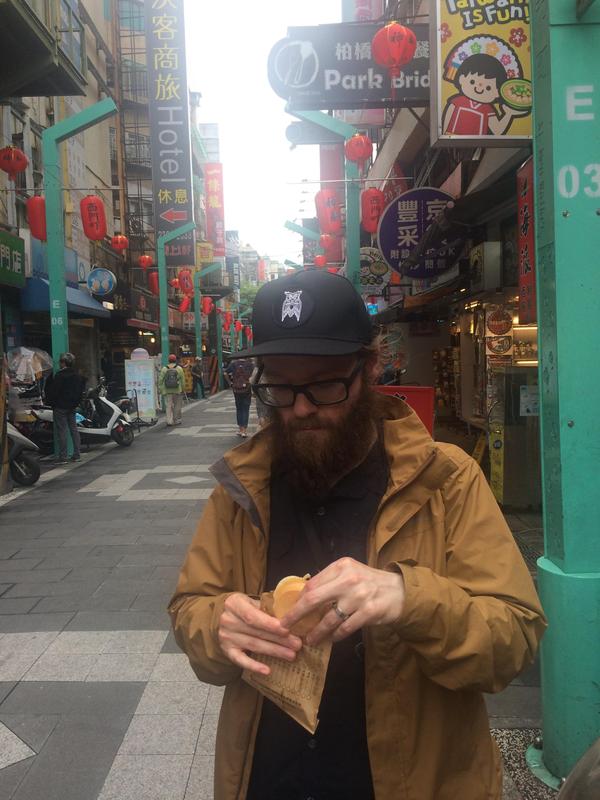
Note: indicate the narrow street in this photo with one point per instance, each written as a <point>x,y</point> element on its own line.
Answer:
<point>96,701</point>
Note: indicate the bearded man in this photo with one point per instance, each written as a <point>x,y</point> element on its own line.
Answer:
<point>426,596</point>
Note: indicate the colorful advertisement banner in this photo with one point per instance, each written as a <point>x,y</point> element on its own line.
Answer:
<point>215,208</point>
<point>527,289</point>
<point>481,73</point>
<point>402,226</point>
<point>331,66</point>
<point>140,383</point>
<point>170,141</point>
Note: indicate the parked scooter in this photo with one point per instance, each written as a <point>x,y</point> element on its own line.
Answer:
<point>100,421</point>
<point>22,458</point>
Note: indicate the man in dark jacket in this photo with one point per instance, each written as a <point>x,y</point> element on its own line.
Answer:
<point>63,393</point>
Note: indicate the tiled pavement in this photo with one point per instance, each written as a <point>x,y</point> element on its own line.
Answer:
<point>96,702</point>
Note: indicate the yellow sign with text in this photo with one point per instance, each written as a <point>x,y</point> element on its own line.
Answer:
<point>482,67</point>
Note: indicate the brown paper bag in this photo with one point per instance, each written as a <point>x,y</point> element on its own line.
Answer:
<point>296,687</point>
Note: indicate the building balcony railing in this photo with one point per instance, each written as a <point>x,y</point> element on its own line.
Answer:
<point>42,48</point>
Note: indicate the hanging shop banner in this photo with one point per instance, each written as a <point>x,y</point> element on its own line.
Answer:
<point>215,208</point>
<point>527,290</point>
<point>330,66</point>
<point>169,126</point>
<point>135,304</point>
<point>481,73</point>
<point>498,331</point>
<point>403,224</point>
<point>12,260</point>
<point>375,273</point>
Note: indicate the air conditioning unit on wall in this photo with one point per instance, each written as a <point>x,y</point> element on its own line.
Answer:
<point>485,261</point>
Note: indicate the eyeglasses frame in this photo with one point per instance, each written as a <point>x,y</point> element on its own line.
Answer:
<point>303,388</point>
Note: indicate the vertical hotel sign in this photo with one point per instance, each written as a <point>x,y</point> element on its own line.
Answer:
<point>527,292</point>
<point>481,73</point>
<point>215,211</point>
<point>169,126</point>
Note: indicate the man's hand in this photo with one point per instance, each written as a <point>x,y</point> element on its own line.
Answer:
<point>363,596</point>
<point>244,628</point>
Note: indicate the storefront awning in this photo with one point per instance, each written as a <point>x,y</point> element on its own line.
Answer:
<point>143,324</point>
<point>36,297</point>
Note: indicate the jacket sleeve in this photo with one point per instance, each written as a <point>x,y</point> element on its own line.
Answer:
<point>478,626</point>
<point>208,577</point>
<point>161,381</point>
<point>181,382</point>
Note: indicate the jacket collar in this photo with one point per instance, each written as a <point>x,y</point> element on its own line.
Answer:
<point>245,471</point>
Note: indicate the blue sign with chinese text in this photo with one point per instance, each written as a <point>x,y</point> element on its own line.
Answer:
<point>402,226</point>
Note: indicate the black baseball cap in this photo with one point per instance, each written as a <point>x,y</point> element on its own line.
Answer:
<point>310,313</point>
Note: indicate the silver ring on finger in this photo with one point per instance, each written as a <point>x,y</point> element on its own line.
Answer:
<point>341,614</point>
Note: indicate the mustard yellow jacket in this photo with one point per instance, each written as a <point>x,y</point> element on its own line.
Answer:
<point>471,623</point>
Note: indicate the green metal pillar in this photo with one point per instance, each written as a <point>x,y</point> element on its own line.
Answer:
<point>345,131</point>
<point>566,62</point>
<point>219,337</point>
<point>162,284</point>
<point>52,167</point>
<point>198,313</point>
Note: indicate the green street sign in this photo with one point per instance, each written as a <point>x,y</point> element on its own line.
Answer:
<point>12,260</point>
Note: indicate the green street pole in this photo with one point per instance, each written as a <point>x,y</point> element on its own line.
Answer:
<point>163,298</point>
<point>308,233</point>
<point>567,226</point>
<point>219,336</point>
<point>198,301</point>
<point>345,131</point>
<point>232,337</point>
<point>55,247</point>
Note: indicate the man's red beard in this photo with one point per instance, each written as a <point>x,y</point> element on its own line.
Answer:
<point>315,454</point>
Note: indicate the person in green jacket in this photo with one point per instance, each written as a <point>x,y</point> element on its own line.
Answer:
<point>171,382</point>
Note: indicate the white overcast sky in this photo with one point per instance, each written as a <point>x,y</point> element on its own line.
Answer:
<point>228,42</point>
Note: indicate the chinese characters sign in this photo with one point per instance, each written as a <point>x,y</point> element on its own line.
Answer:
<point>482,72</point>
<point>331,66</point>
<point>403,224</point>
<point>12,260</point>
<point>527,298</point>
<point>215,211</point>
<point>169,126</point>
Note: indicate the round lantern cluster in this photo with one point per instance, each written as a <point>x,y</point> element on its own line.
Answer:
<point>359,149</point>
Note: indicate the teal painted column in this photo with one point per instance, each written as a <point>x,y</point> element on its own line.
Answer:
<point>566,61</point>
<point>219,336</point>
<point>163,298</point>
<point>52,168</point>
<point>198,313</point>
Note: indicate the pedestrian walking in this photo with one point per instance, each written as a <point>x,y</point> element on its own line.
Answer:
<point>63,392</point>
<point>198,379</point>
<point>238,374</point>
<point>416,576</point>
<point>171,383</point>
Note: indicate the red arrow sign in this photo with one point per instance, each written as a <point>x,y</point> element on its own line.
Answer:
<point>174,216</point>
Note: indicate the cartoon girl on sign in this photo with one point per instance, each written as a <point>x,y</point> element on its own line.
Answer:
<point>491,93</point>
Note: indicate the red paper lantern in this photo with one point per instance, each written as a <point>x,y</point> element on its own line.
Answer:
<point>119,242</point>
<point>238,326</point>
<point>93,217</point>
<point>250,335</point>
<point>359,148</point>
<point>185,304</point>
<point>320,261</point>
<point>145,262</point>
<point>186,281</point>
<point>153,282</point>
<point>328,211</point>
<point>228,319</point>
<point>248,332</point>
<point>372,203</point>
<point>392,47</point>
<point>207,305</point>
<point>333,270</point>
<point>174,283</point>
<point>12,161</point>
<point>36,217</point>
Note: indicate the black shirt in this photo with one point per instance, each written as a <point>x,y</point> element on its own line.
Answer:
<point>290,763</point>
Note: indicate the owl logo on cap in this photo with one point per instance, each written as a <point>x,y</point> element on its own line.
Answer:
<point>292,305</point>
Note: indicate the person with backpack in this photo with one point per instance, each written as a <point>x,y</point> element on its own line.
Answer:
<point>171,384</point>
<point>238,375</point>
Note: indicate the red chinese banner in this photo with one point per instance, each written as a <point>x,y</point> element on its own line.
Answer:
<point>527,289</point>
<point>215,209</point>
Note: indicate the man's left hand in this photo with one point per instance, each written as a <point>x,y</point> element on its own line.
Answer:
<point>363,596</point>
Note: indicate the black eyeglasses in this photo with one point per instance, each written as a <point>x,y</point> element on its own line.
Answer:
<point>320,393</point>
